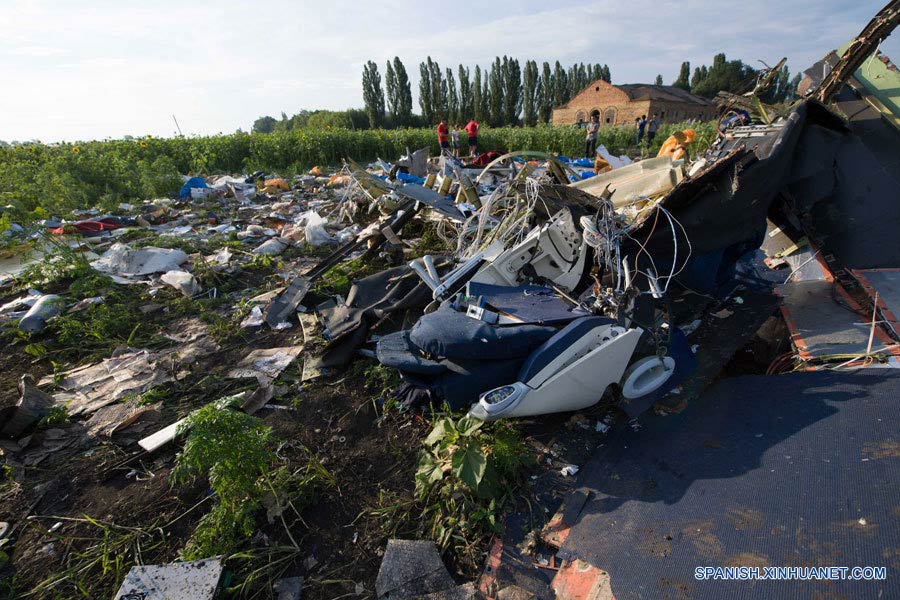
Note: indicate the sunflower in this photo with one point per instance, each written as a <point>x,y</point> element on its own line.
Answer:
<point>76,150</point>
<point>143,144</point>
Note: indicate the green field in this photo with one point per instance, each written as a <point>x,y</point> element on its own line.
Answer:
<point>37,180</point>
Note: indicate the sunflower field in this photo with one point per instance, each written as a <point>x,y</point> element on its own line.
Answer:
<point>39,179</point>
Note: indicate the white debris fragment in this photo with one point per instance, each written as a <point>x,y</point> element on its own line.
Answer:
<point>122,261</point>
<point>254,319</point>
<point>182,281</point>
<point>271,247</point>
<point>691,327</point>
<point>220,258</point>
<point>569,470</point>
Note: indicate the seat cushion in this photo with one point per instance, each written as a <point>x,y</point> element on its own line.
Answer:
<point>395,350</point>
<point>446,333</point>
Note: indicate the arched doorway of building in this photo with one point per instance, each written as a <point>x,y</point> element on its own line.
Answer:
<point>610,117</point>
<point>595,113</point>
<point>579,117</point>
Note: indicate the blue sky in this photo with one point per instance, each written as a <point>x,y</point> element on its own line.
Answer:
<point>92,69</point>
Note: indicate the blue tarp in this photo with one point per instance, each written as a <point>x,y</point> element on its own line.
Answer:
<point>193,182</point>
<point>583,162</point>
<point>407,178</point>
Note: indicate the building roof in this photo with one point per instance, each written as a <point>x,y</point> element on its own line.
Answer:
<point>646,91</point>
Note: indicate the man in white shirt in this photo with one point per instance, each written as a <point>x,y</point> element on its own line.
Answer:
<point>590,142</point>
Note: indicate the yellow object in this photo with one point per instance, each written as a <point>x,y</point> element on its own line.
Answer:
<point>677,143</point>
<point>276,184</point>
<point>338,180</point>
<point>601,166</point>
<point>316,171</point>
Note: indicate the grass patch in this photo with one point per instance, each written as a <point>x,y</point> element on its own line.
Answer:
<point>378,378</point>
<point>64,268</point>
<point>337,281</point>
<point>96,566</point>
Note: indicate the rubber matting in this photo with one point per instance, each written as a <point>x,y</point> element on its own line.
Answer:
<point>791,470</point>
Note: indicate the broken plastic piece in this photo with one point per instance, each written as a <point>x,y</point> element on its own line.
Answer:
<point>123,261</point>
<point>182,281</point>
<point>647,375</point>
<point>46,307</point>
<point>570,371</point>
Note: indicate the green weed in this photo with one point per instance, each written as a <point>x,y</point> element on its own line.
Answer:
<point>467,474</point>
<point>261,262</point>
<point>338,280</point>
<point>100,328</point>
<point>377,377</point>
<point>57,415</point>
<point>62,266</point>
<point>152,396</point>
<point>236,452</point>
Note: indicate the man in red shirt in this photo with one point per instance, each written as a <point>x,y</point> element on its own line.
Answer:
<point>472,130</point>
<point>443,132</point>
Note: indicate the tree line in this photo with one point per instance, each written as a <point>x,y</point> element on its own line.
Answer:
<point>503,94</point>
<point>508,92</point>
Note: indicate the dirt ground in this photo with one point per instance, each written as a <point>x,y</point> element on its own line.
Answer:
<point>340,537</point>
<point>84,513</point>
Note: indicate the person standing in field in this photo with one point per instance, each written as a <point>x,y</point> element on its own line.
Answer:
<point>641,123</point>
<point>472,130</point>
<point>652,126</point>
<point>590,141</point>
<point>454,140</point>
<point>443,136</point>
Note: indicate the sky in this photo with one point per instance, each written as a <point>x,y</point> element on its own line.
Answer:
<point>96,69</point>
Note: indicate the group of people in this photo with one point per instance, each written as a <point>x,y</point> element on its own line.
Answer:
<point>593,126</point>
<point>651,126</point>
<point>449,139</point>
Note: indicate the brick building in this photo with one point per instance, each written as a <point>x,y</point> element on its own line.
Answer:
<point>622,104</point>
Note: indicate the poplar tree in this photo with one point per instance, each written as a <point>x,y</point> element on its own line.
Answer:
<point>373,95</point>
<point>452,97</point>
<point>530,93</point>
<point>560,85</point>
<point>684,77</point>
<point>478,99</point>
<point>425,94</point>
<point>466,100</point>
<point>404,94</point>
<point>512,91</point>
<point>546,101</point>
<point>495,93</point>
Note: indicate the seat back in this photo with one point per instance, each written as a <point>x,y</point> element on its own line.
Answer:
<point>544,354</point>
